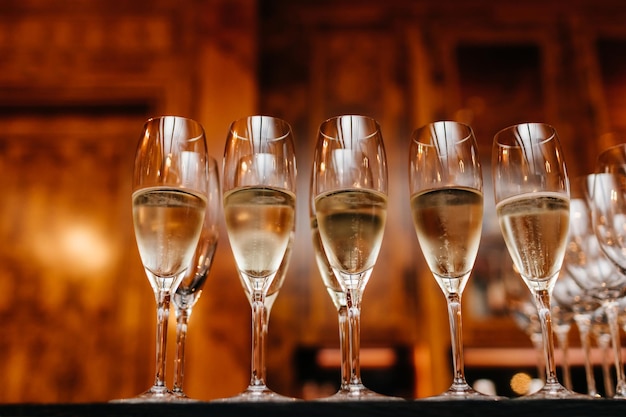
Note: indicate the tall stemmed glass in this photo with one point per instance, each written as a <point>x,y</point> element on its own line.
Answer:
<point>591,268</point>
<point>190,288</point>
<point>446,187</point>
<point>532,202</point>
<point>259,208</point>
<point>349,188</point>
<point>169,201</point>
<point>568,294</point>
<point>339,299</point>
<point>602,333</point>
<point>563,317</point>
<point>608,199</point>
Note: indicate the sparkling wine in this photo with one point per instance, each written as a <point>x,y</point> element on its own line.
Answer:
<point>332,284</point>
<point>277,282</point>
<point>259,221</point>
<point>351,223</point>
<point>535,229</point>
<point>167,223</point>
<point>448,223</point>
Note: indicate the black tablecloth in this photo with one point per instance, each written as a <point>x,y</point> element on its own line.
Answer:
<point>508,408</point>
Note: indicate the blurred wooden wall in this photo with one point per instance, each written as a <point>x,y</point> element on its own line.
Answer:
<point>77,80</point>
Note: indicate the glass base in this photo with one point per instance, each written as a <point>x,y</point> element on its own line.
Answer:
<point>463,392</point>
<point>257,394</point>
<point>156,394</point>
<point>358,392</point>
<point>555,391</point>
<point>183,398</point>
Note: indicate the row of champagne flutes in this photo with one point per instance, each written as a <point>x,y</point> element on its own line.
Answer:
<point>173,194</point>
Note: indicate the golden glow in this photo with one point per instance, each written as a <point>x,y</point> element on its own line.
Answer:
<point>520,383</point>
<point>77,247</point>
<point>369,358</point>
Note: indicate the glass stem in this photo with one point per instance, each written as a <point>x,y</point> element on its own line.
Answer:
<point>456,335</point>
<point>542,299</point>
<point>610,308</point>
<point>182,320</point>
<point>163,311</point>
<point>604,340</point>
<point>583,322</point>
<point>562,332</point>
<point>344,346</point>
<point>354,337</point>
<point>257,378</point>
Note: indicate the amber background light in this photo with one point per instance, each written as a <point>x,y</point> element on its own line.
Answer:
<point>78,79</point>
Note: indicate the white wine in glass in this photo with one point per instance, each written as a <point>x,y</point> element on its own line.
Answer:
<point>190,287</point>
<point>532,203</point>
<point>259,208</point>
<point>446,189</point>
<point>349,193</point>
<point>169,200</point>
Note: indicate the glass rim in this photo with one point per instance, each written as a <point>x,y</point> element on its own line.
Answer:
<point>501,133</point>
<point>330,120</point>
<point>415,135</point>
<point>612,149</point>
<point>172,116</point>
<point>184,119</point>
<point>286,127</point>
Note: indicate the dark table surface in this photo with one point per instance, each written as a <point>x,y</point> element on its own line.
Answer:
<point>508,408</point>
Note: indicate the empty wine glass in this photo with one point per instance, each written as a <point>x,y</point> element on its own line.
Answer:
<point>349,189</point>
<point>190,288</point>
<point>608,206</point>
<point>591,268</point>
<point>563,317</point>
<point>568,294</point>
<point>532,203</point>
<point>601,331</point>
<point>169,201</point>
<point>259,208</point>
<point>446,188</point>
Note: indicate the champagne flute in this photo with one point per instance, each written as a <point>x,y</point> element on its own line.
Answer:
<point>590,266</point>
<point>608,200</point>
<point>602,333</point>
<point>190,288</point>
<point>563,318</point>
<point>349,188</point>
<point>532,202</point>
<point>347,389</point>
<point>570,295</point>
<point>259,208</point>
<point>446,187</point>
<point>169,201</point>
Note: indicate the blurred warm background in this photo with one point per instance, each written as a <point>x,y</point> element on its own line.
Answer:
<point>79,77</point>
